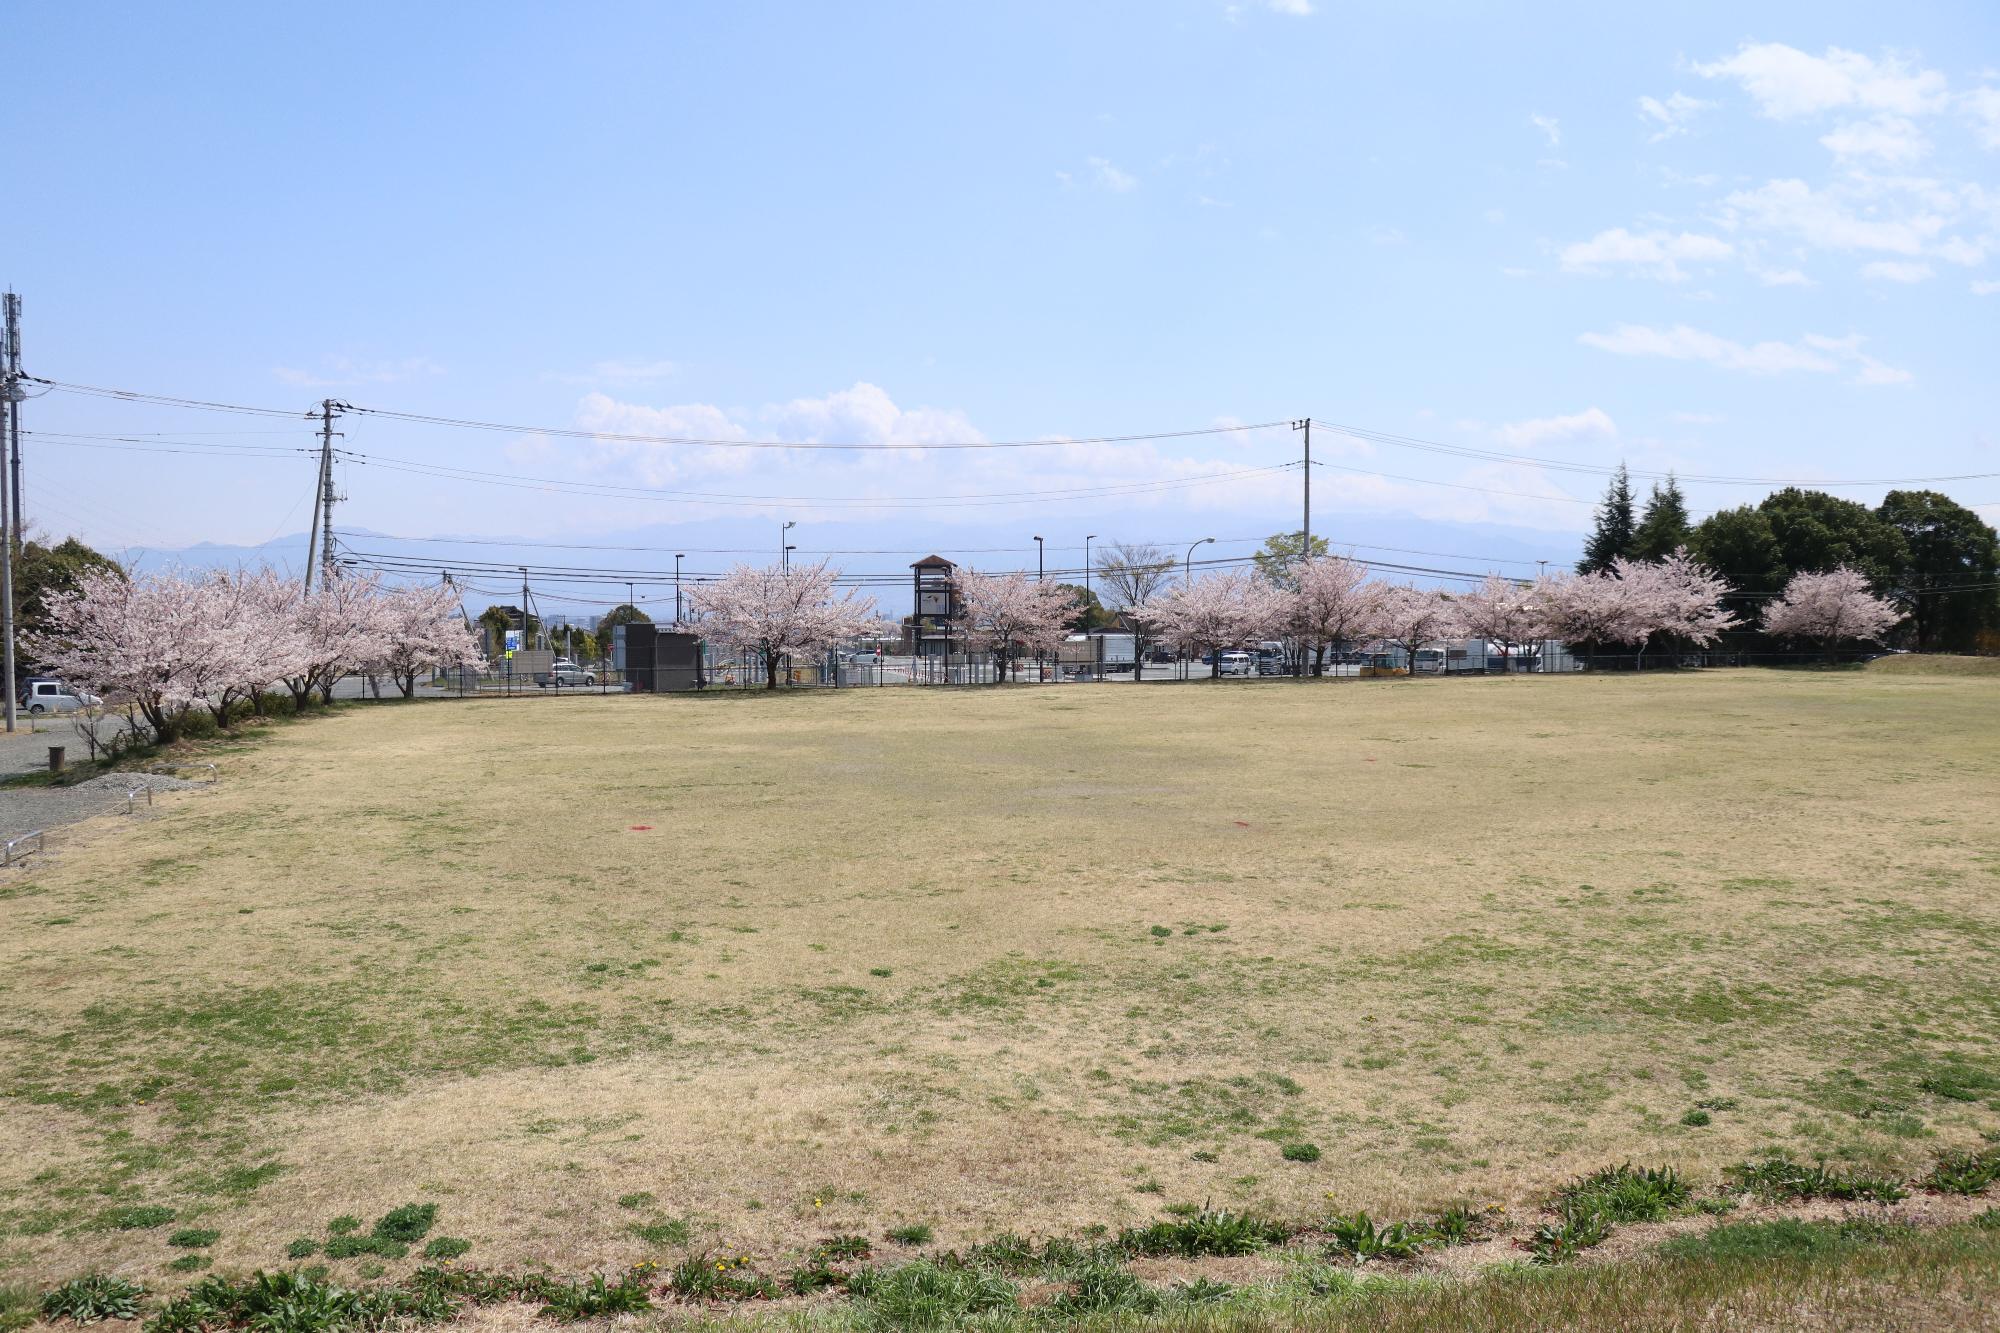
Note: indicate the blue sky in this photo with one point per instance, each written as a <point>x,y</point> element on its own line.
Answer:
<point>1754,242</point>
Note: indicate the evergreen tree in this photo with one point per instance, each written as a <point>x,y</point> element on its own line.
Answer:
<point>1665,527</point>
<point>1615,527</point>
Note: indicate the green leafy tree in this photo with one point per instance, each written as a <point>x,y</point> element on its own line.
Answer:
<point>1817,532</point>
<point>43,570</point>
<point>623,614</point>
<point>1739,545</point>
<point>1090,613</point>
<point>1278,560</point>
<point>1616,527</point>
<point>1951,563</point>
<point>1665,527</point>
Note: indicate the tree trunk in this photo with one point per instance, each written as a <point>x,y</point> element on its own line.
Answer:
<point>771,661</point>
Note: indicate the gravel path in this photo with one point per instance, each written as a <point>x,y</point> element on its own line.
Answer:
<point>25,808</point>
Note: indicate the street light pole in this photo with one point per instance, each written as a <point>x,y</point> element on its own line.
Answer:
<point>1187,581</point>
<point>784,551</point>
<point>678,557</point>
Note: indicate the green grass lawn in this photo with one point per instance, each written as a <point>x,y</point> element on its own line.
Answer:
<point>772,968</point>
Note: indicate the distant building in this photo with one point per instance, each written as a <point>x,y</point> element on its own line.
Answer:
<point>934,585</point>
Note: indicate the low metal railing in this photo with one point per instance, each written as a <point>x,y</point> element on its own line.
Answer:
<point>7,853</point>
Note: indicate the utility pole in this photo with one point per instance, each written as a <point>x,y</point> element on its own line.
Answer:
<point>1306,546</point>
<point>326,491</point>
<point>1039,574</point>
<point>14,410</point>
<point>784,551</point>
<point>10,400</point>
<point>678,557</point>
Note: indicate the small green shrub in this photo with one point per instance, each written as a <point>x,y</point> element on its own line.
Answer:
<point>640,1200</point>
<point>1696,1118</point>
<point>916,1233</point>
<point>343,1225</point>
<point>193,1238</point>
<point>1300,1152</point>
<point>305,1247</point>
<point>189,1263</point>
<point>1162,932</point>
<point>1358,1238</point>
<point>1964,1172</point>
<point>95,1296</point>
<point>1777,1178</point>
<point>1625,1193</point>
<point>407,1224</point>
<point>878,972</point>
<point>595,1296</point>
<point>138,1217</point>
<point>446,1247</point>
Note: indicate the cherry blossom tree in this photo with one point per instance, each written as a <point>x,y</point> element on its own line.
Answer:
<point>1678,597</point>
<point>141,639</point>
<point>422,629</point>
<point>777,612</point>
<point>1214,612</point>
<point>1008,614</point>
<point>1502,611</point>
<point>1587,609</point>
<point>1830,607</point>
<point>340,629</point>
<point>1412,617</point>
<point>1334,602</point>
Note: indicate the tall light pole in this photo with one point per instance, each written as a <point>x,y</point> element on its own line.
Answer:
<point>1039,572</point>
<point>1187,580</point>
<point>678,557</point>
<point>1086,571</point>
<point>784,551</point>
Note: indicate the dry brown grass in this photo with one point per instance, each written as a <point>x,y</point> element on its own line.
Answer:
<point>1470,938</point>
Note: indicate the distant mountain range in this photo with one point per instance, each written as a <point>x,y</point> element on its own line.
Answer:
<point>591,568</point>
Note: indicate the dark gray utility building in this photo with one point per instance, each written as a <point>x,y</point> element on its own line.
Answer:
<point>656,660</point>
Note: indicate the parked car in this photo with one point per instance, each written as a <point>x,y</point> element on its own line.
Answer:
<point>564,672</point>
<point>43,694</point>
<point>1236,664</point>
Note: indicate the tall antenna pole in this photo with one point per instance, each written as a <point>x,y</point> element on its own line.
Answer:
<point>1306,472</point>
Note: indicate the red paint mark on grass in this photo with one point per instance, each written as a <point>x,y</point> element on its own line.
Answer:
<point>642,828</point>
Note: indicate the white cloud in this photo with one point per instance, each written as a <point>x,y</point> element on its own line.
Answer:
<point>1814,353</point>
<point>1787,82</point>
<point>1656,253</point>
<point>1827,220</point>
<point>1983,106</point>
<point>1108,177</point>
<point>343,370</point>
<point>1296,8</point>
<point>1897,270</point>
<point>1549,126</point>
<point>1780,277</point>
<point>1591,423</point>
<point>1984,288</point>
<point>1958,250</point>
<point>1892,140</point>
<point>1671,116</point>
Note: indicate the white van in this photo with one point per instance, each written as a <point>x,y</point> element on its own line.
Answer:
<point>1236,664</point>
<point>42,695</point>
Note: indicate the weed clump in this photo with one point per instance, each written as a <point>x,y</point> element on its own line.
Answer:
<point>138,1217</point>
<point>1964,1172</point>
<point>193,1238</point>
<point>1209,1231</point>
<point>1779,1178</point>
<point>446,1247</point>
<point>1358,1238</point>
<point>95,1296</point>
<point>594,1296</point>
<point>1625,1193</point>
<point>914,1234</point>
<point>926,1295</point>
<point>407,1224</point>
<point>1300,1152</point>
